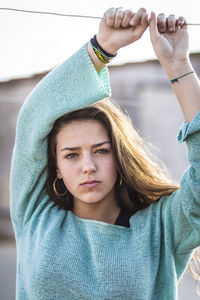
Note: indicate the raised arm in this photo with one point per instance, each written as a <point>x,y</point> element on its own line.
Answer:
<point>181,210</point>
<point>81,80</point>
<point>169,38</point>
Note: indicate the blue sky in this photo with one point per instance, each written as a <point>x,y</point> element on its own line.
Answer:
<point>33,43</point>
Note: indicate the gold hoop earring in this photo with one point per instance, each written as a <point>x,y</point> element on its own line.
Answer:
<point>56,192</point>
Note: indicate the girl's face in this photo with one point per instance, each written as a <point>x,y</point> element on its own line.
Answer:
<point>85,162</point>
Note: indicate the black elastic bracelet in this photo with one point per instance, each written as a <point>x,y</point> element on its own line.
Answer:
<point>104,52</point>
<point>176,79</point>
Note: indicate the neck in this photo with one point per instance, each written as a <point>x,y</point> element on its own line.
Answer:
<point>104,212</point>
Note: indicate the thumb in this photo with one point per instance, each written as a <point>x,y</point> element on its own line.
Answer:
<point>154,33</point>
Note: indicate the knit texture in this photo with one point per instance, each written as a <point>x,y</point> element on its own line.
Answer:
<point>63,257</point>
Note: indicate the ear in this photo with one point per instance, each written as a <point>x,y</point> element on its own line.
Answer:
<point>59,176</point>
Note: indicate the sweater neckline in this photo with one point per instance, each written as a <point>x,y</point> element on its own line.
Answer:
<point>91,222</point>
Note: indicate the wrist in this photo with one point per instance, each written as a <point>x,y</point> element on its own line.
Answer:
<point>96,62</point>
<point>101,53</point>
<point>177,68</point>
<point>107,45</point>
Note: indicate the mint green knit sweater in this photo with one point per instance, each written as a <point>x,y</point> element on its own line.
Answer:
<point>63,257</point>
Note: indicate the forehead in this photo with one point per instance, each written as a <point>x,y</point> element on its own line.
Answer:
<point>79,131</point>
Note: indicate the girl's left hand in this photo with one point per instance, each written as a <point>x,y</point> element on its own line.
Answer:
<point>169,37</point>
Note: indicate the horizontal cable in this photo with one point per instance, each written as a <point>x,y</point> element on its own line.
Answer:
<point>62,15</point>
<point>48,13</point>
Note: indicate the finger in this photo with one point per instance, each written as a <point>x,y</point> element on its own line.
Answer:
<point>171,23</point>
<point>109,16</point>
<point>181,22</point>
<point>154,33</point>
<point>144,24</point>
<point>144,20</point>
<point>137,17</point>
<point>161,23</point>
<point>128,15</point>
<point>119,16</point>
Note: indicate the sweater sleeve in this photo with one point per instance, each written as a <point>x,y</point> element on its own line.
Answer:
<point>181,210</point>
<point>72,85</point>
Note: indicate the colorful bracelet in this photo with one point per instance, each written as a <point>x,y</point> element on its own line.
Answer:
<point>177,78</point>
<point>103,55</point>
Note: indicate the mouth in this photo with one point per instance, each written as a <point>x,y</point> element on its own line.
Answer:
<point>90,183</point>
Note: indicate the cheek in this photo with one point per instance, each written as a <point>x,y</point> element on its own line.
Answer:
<point>70,179</point>
<point>66,170</point>
<point>110,170</point>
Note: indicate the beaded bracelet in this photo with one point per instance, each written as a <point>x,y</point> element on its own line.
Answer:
<point>177,78</point>
<point>103,55</point>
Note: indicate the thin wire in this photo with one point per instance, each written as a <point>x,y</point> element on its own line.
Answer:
<point>63,15</point>
<point>195,24</point>
<point>48,13</point>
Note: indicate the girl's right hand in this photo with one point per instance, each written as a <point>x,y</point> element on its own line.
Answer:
<point>121,27</point>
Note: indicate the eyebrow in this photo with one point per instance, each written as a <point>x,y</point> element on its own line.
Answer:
<point>78,148</point>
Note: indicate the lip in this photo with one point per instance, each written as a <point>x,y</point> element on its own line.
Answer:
<point>90,183</point>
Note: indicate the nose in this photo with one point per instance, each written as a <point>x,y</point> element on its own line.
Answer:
<point>88,164</point>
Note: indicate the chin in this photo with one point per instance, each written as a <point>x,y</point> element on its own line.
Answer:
<point>94,197</point>
<point>92,201</point>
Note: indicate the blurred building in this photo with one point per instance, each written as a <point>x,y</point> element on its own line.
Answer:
<point>145,92</point>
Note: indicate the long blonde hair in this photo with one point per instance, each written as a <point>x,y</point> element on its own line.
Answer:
<point>138,168</point>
